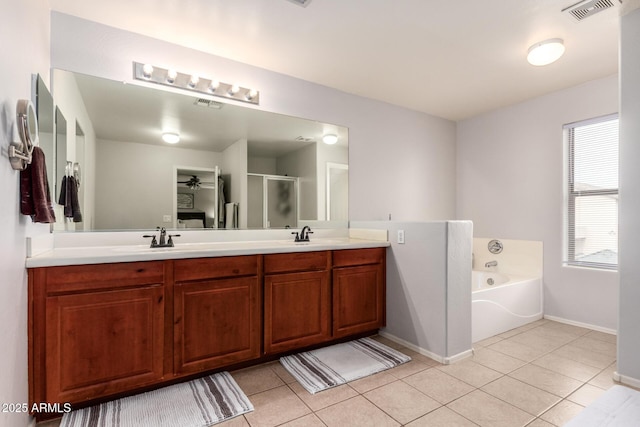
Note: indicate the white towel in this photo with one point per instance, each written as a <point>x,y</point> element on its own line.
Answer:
<point>231,215</point>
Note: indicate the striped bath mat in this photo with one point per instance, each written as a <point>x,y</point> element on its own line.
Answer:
<point>198,403</point>
<point>328,367</point>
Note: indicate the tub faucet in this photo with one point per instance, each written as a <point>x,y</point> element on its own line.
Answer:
<point>491,264</point>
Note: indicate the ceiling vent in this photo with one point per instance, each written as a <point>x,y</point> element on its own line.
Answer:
<point>202,102</point>
<point>302,3</point>
<point>587,8</point>
<point>304,139</point>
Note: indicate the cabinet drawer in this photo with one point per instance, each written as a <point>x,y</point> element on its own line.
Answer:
<point>296,261</point>
<point>74,278</point>
<point>214,268</point>
<point>348,257</point>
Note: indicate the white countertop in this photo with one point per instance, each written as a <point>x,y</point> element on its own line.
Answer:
<point>130,253</point>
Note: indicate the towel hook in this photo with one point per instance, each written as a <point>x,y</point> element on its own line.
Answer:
<point>27,121</point>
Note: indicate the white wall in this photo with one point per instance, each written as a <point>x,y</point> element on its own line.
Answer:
<point>629,332</point>
<point>429,286</point>
<point>423,146</point>
<point>24,50</point>
<point>261,165</point>
<point>234,171</point>
<point>510,184</point>
<point>147,188</point>
<point>327,154</point>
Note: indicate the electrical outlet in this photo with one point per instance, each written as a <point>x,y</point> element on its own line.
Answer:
<point>401,237</point>
<point>166,218</point>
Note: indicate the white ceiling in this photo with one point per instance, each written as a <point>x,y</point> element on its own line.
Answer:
<point>453,59</point>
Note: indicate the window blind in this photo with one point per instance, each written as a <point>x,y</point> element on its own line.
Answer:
<point>591,214</point>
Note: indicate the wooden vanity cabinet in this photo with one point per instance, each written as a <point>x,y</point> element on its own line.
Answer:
<point>217,312</point>
<point>103,330</point>
<point>358,291</point>
<point>96,330</point>
<point>297,300</point>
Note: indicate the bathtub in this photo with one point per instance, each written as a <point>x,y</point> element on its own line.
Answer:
<point>502,302</point>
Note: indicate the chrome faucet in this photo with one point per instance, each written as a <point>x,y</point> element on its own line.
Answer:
<point>302,236</point>
<point>163,236</point>
<point>491,264</point>
<point>164,243</point>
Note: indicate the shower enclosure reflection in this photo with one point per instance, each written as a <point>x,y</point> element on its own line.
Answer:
<point>273,201</point>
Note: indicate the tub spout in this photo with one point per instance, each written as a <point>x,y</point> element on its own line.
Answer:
<point>491,264</point>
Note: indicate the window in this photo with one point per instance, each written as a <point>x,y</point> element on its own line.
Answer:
<point>592,193</point>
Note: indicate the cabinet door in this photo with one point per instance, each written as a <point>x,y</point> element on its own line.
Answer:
<point>217,323</point>
<point>358,299</point>
<point>296,310</point>
<point>101,343</point>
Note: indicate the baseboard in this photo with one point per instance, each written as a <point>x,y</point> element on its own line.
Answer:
<point>633,382</point>
<point>459,356</point>
<point>424,352</point>
<point>582,325</point>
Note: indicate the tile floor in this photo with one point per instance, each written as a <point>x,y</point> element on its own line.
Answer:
<point>541,374</point>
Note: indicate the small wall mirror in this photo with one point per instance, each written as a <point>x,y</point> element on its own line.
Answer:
<point>27,124</point>
<point>45,110</point>
<point>61,151</point>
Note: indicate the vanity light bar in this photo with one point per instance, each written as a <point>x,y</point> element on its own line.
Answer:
<point>194,83</point>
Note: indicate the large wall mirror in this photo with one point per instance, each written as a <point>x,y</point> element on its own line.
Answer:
<point>233,167</point>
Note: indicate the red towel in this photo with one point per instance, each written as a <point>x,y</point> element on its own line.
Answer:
<point>35,200</point>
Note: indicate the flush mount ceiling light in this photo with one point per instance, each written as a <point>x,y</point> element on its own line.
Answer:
<point>330,139</point>
<point>170,137</point>
<point>194,83</point>
<point>545,52</point>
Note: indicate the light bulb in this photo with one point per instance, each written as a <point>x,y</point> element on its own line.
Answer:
<point>252,93</point>
<point>171,76</point>
<point>193,82</point>
<point>234,89</point>
<point>214,85</point>
<point>147,71</point>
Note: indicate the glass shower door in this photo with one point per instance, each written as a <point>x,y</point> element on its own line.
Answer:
<point>281,202</point>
